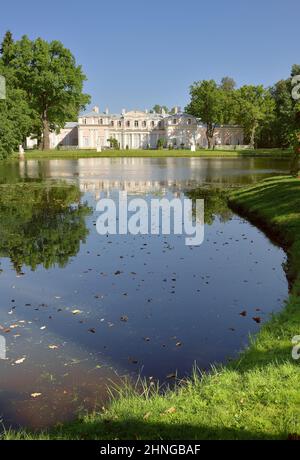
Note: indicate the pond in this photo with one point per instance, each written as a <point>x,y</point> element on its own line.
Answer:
<point>80,311</point>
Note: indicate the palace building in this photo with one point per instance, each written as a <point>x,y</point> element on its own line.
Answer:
<point>140,130</point>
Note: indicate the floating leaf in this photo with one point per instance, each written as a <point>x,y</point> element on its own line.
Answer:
<point>257,319</point>
<point>171,376</point>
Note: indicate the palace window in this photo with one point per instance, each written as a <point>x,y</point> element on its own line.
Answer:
<point>136,124</point>
<point>144,124</point>
<point>152,124</point>
<point>119,123</point>
<point>84,121</point>
<point>175,121</point>
<point>112,123</point>
<point>189,121</point>
<point>128,124</point>
<point>100,121</point>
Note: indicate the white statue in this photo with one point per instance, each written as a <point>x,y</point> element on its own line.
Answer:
<point>21,150</point>
<point>193,146</point>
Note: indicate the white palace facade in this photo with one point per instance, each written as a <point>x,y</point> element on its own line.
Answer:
<point>140,130</point>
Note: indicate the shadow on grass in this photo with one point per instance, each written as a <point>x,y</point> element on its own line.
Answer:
<point>134,428</point>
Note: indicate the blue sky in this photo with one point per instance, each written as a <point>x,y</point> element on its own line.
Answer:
<point>138,53</point>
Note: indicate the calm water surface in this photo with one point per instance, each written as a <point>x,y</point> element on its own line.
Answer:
<point>64,289</point>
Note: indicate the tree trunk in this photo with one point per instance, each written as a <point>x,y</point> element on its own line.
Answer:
<point>210,136</point>
<point>46,133</point>
<point>252,136</point>
<point>40,143</point>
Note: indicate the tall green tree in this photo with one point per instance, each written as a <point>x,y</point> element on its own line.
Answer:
<point>283,121</point>
<point>295,131</point>
<point>254,106</point>
<point>228,84</point>
<point>16,116</point>
<point>283,128</point>
<point>52,80</point>
<point>208,103</point>
<point>7,48</point>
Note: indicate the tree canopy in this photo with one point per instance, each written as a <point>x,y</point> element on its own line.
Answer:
<point>270,117</point>
<point>50,82</point>
<point>208,103</point>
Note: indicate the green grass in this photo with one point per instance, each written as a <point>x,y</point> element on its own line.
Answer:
<point>57,154</point>
<point>254,397</point>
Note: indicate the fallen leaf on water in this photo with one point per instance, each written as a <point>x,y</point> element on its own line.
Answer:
<point>124,319</point>
<point>257,319</point>
<point>171,376</point>
<point>76,312</point>
<point>35,395</point>
<point>92,330</point>
<point>243,313</point>
<point>53,347</point>
<point>179,344</point>
<point>20,361</point>
<point>42,328</point>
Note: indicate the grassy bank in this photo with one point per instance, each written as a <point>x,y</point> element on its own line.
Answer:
<point>57,154</point>
<point>255,397</point>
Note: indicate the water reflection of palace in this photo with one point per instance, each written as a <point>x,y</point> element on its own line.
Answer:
<point>97,188</point>
<point>140,175</point>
